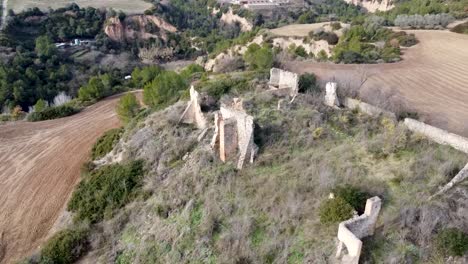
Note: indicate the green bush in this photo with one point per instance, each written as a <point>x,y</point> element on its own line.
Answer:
<point>53,113</point>
<point>106,143</point>
<point>308,83</point>
<point>300,51</point>
<point>106,189</point>
<point>188,71</point>
<point>335,210</point>
<point>452,242</point>
<point>353,196</point>
<point>259,58</point>
<point>66,246</point>
<point>164,89</point>
<point>128,107</point>
<point>142,76</point>
<point>40,105</point>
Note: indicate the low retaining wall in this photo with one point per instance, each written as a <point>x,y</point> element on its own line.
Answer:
<point>367,108</point>
<point>438,135</point>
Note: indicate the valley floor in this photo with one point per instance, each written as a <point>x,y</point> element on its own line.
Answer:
<point>433,77</point>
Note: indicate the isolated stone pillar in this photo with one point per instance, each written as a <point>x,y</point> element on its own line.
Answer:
<point>331,98</point>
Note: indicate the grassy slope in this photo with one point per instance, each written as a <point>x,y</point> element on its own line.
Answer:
<point>203,211</point>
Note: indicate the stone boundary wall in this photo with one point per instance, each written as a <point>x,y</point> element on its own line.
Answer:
<point>461,176</point>
<point>367,108</point>
<point>351,231</point>
<point>438,135</point>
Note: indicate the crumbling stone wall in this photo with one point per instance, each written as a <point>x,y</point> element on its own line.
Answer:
<point>193,113</point>
<point>367,108</point>
<point>233,138</point>
<point>438,135</point>
<point>461,176</point>
<point>351,231</point>
<point>284,81</point>
<point>331,98</point>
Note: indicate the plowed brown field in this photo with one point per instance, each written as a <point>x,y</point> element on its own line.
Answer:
<point>39,167</point>
<point>433,77</point>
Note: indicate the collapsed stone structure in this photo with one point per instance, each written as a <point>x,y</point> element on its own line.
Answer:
<point>331,98</point>
<point>284,82</point>
<point>233,138</point>
<point>371,110</point>
<point>351,231</point>
<point>193,113</point>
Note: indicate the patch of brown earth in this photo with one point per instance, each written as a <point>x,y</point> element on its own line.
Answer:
<point>39,167</point>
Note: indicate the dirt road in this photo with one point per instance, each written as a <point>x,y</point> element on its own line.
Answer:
<point>433,77</point>
<point>39,167</point>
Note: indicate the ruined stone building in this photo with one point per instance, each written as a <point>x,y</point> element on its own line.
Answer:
<point>234,131</point>
<point>193,113</point>
<point>351,231</point>
<point>284,82</point>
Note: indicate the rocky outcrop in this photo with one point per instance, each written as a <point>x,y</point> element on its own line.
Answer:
<point>137,27</point>
<point>373,5</point>
<point>231,18</point>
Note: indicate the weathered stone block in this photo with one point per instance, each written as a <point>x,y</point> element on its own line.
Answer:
<point>284,80</point>
<point>331,98</point>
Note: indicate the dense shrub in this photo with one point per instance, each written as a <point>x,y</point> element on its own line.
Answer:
<point>428,21</point>
<point>335,210</point>
<point>105,190</point>
<point>308,83</point>
<point>259,58</point>
<point>65,247</point>
<point>218,87</point>
<point>353,196</point>
<point>53,113</point>
<point>461,28</point>
<point>188,71</point>
<point>128,107</point>
<point>452,242</point>
<point>330,37</point>
<point>99,87</point>
<point>106,143</point>
<point>164,89</point>
<point>300,51</point>
<point>142,76</point>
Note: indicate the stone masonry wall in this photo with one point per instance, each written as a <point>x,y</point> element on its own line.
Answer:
<point>351,231</point>
<point>438,135</point>
<point>280,79</point>
<point>193,113</point>
<point>366,108</point>
<point>233,136</point>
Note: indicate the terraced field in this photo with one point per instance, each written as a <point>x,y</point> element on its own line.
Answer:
<point>433,77</point>
<point>39,167</point>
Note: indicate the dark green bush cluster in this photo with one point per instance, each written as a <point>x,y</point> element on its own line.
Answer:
<point>335,210</point>
<point>330,37</point>
<point>355,46</point>
<point>65,247</point>
<point>216,88</point>
<point>352,195</point>
<point>165,89</point>
<point>99,87</point>
<point>105,143</point>
<point>452,242</point>
<point>53,113</point>
<point>404,39</point>
<point>308,83</point>
<point>105,190</point>
<point>461,28</point>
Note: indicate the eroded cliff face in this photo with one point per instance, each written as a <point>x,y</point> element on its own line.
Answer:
<point>137,27</point>
<point>373,5</point>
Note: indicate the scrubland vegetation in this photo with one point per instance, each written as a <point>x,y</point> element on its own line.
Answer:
<point>193,208</point>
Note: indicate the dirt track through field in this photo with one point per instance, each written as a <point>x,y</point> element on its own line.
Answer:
<point>433,77</point>
<point>39,167</point>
